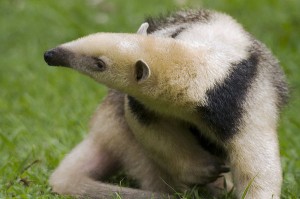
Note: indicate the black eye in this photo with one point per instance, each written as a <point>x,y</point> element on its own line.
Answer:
<point>100,64</point>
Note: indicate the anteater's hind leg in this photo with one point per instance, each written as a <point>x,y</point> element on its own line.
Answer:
<point>109,146</point>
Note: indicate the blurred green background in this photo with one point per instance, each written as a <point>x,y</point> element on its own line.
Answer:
<point>45,111</point>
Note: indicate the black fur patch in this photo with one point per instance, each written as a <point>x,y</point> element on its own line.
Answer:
<point>225,101</point>
<point>177,32</point>
<point>180,17</point>
<point>142,114</point>
<point>207,144</point>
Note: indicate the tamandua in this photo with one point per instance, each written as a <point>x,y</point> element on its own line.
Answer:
<point>191,93</point>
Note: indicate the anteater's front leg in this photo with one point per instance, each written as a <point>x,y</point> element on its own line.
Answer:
<point>255,162</point>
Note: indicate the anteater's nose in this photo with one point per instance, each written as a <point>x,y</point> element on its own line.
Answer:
<point>58,57</point>
<point>50,57</point>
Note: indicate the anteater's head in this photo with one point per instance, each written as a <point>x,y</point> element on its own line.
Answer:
<point>116,60</point>
<point>141,65</point>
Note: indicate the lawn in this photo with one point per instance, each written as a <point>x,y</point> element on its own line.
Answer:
<point>45,111</point>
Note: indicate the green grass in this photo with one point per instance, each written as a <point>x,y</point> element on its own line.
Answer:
<point>44,111</point>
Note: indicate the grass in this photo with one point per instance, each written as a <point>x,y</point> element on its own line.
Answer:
<point>44,112</point>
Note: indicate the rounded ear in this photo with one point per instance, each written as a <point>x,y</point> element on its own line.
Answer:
<point>143,29</point>
<point>142,71</point>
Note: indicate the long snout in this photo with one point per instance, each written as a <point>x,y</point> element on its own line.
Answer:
<point>58,57</point>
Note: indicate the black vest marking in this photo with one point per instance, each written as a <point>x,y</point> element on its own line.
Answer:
<point>225,101</point>
<point>207,144</point>
<point>142,114</point>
